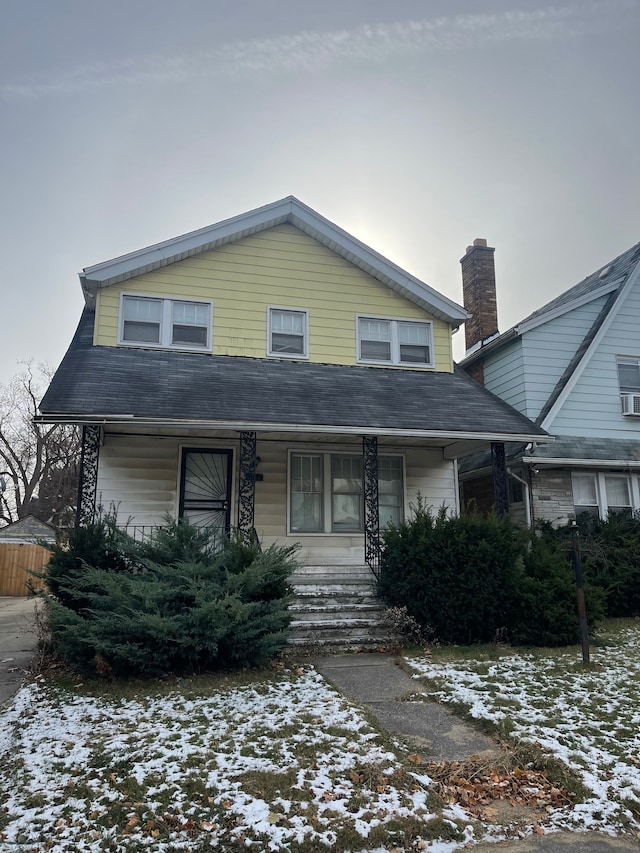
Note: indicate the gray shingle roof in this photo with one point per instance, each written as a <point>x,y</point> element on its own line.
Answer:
<point>95,380</point>
<point>616,270</point>
<point>575,448</point>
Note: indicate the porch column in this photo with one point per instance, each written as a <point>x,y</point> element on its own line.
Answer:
<point>247,486</point>
<point>88,480</point>
<point>371,508</point>
<point>500,488</point>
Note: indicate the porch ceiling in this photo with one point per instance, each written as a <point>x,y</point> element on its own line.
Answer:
<point>286,437</point>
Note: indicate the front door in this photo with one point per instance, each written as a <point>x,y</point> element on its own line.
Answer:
<point>205,488</point>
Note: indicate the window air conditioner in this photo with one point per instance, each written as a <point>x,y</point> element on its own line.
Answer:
<point>631,405</point>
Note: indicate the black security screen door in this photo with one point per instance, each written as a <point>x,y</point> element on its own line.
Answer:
<point>205,488</point>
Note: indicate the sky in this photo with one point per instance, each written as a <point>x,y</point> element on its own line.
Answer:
<point>415,125</point>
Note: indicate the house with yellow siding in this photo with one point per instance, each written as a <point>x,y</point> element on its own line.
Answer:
<point>273,374</point>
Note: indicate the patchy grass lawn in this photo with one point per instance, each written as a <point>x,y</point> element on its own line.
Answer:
<point>279,762</point>
<point>587,717</point>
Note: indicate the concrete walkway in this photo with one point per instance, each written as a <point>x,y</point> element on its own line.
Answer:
<point>17,643</point>
<point>378,683</point>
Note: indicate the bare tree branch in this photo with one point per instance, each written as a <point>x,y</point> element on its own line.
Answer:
<point>39,462</point>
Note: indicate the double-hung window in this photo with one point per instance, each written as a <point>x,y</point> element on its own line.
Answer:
<point>600,493</point>
<point>141,320</point>
<point>629,381</point>
<point>288,332</point>
<point>326,492</point>
<point>382,341</point>
<point>162,322</point>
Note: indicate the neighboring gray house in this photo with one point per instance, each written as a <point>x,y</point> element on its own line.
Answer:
<point>573,367</point>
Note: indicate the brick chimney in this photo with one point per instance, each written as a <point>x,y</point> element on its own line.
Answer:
<point>479,293</point>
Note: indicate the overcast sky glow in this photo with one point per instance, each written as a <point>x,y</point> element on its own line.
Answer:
<point>415,125</point>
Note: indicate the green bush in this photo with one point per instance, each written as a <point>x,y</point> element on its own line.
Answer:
<point>100,544</point>
<point>475,579</point>
<point>610,558</point>
<point>456,575</point>
<point>181,603</point>
<point>547,612</point>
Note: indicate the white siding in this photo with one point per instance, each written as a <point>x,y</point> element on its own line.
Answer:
<point>592,409</point>
<point>139,477</point>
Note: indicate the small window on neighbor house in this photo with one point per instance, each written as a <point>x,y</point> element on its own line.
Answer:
<point>629,382</point>
<point>585,493</point>
<point>617,492</point>
<point>394,341</point>
<point>156,321</point>
<point>516,490</point>
<point>601,493</point>
<point>629,375</point>
<point>287,331</point>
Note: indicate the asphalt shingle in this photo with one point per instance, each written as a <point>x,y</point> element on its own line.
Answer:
<point>147,383</point>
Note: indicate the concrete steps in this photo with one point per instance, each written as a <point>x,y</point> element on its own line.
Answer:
<point>336,605</point>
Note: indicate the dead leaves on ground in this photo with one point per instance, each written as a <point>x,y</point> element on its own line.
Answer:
<point>476,786</point>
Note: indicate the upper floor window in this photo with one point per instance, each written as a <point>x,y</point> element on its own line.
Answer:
<point>629,381</point>
<point>395,341</point>
<point>157,321</point>
<point>288,332</point>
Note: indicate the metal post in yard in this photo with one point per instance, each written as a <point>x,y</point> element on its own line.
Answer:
<point>582,613</point>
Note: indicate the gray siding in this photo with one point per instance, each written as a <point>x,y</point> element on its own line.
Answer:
<point>525,372</point>
<point>504,375</point>
<point>592,409</point>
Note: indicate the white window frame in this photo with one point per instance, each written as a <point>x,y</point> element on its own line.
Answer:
<point>166,322</point>
<point>600,478</point>
<point>327,489</point>
<point>632,407</point>
<point>395,322</point>
<point>305,332</point>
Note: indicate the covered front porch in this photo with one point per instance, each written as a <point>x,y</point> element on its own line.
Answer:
<point>331,493</point>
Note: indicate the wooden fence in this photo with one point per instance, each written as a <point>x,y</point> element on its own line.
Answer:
<point>16,560</point>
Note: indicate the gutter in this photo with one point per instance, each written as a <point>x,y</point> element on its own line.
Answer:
<point>580,463</point>
<point>527,496</point>
<point>255,426</point>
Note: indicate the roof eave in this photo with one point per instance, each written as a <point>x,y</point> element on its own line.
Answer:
<point>288,210</point>
<point>262,426</point>
<point>493,345</point>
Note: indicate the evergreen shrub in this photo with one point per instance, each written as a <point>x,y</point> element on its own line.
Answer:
<point>473,579</point>
<point>611,560</point>
<point>457,575</point>
<point>180,603</point>
<point>546,605</point>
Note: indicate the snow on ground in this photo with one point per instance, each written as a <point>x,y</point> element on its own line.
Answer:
<point>587,717</point>
<point>271,763</point>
